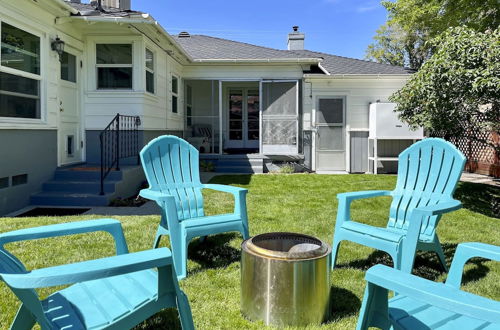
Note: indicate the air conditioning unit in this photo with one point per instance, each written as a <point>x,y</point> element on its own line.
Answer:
<point>385,124</point>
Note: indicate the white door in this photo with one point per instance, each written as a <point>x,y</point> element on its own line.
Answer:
<point>330,137</point>
<point>243,118</point>
<point>280,117</point>
<point>70,134</point>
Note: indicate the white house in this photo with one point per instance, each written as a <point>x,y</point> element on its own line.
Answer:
<point>223,96</point>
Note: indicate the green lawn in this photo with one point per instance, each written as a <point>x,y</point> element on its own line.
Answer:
<point>298,203</point>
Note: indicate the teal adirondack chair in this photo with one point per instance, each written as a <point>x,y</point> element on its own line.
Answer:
<point>171,166</point>
<point>424,304</point>
<point>428,173</point>
<point>109,293</point>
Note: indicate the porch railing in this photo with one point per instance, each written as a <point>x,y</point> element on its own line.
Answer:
<point>120,139</point>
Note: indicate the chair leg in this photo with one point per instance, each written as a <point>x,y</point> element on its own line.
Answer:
<point>374,309</point>
<point>24,319</point>
<point>245,231</point>
<point>439,251</point>
<point>335,250</point>
<point>185,314</point>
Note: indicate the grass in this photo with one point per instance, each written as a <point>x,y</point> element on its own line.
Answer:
<point>303,203</point>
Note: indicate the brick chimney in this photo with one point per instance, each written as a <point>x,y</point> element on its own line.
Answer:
<point>296,39</point>
<point>120,4</point>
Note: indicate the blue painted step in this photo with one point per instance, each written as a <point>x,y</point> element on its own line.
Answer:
<point>70,199</point>
<point>85,175</point>
<point>90,187</point>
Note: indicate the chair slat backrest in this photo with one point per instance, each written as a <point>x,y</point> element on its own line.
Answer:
<point>428,173</point>
<point>171,166</point>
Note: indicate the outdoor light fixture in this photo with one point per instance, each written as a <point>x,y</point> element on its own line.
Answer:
<point>57,45</point>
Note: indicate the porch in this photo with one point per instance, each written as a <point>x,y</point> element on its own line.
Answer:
<point>257,118</point>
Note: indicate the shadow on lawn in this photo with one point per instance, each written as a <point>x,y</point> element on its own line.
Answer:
<point>478,197</point>
<point>426,265</point>
<point>213,252</point>
<point>232,179</point>
<point>166,319</point>
<point>343,303</point>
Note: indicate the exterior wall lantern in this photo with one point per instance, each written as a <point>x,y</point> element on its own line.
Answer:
<point>57,45</point>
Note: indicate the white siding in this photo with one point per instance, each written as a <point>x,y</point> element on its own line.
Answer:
<point>239,71</point>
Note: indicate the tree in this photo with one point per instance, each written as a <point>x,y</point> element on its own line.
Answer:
<point>458,88</point>
<point>404,38</point>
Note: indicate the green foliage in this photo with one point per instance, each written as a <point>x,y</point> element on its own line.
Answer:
<point>403,39</point>
<point>287,169</point>
<point>458,86</point>
<point>298,203</point>
<point>207,166</point>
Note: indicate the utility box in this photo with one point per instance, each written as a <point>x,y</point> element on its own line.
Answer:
<point>385,124</point>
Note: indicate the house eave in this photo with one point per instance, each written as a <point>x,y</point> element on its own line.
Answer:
<point>258,60</point>
<point>136,19</point>
<point>65,6</point>
<point>315,76</point>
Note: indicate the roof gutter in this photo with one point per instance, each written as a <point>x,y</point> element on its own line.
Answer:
<point>64,5</point>
<point>356,76</point>
<point>260,60</point>
<point>139,19</point>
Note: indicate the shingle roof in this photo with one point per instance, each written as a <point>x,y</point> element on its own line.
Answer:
<point>345,65</point>
<point>206,47</point>
<point>201,47</point>
<point>86,9</point>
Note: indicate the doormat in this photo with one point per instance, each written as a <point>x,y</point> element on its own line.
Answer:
<point>50,212</point>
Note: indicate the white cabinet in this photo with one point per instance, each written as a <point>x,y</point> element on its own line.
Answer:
<point>384,123</point>
<point>388,136</point>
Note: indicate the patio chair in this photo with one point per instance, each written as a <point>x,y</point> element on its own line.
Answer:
<point>428,172</point>
<point>109,293</point>
<point>172,170</point>
<point>424,304</point>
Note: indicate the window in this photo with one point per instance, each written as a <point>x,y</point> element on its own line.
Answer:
<point>114,66</point>
<point>175,93</point>
<point>20,88</point>
<point>20,49</point>
<point>68,67</point>
<point>20,179</point>
<point>150,71</point>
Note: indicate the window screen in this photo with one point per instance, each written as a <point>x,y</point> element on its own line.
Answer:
<point>20,49</point>
<point>330,111</point>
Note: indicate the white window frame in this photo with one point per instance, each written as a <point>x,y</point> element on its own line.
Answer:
<point>28,75</point>
<point>176,94</point>
<point>152,71</point>
<point>97,66</point>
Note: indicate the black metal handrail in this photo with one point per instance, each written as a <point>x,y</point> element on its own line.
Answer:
<point>120,139</point>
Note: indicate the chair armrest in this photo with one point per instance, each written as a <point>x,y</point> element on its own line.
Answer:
<point>111,226</point>
<point>351,196</point>
<point>466,251</point>
<point>239,194</point>
<point>90,270</point>
<point>413,233</point>
<point>437,294</point>
<point>345,200</point>
<point>225,188</point>
<point>153,195</point>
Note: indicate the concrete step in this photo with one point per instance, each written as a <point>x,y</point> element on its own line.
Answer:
<point>239,162</point>
<point>70,199</point>
<point>239,169</point>
<point>85,175</point>
<point>90,187</point>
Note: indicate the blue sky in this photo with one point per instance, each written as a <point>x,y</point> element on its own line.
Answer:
<point>341,27</point>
